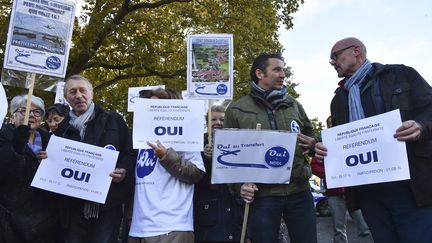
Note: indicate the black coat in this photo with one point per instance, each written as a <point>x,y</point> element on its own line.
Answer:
<point>400,87</point>
<point>108,128</point>
<point>27,213</point>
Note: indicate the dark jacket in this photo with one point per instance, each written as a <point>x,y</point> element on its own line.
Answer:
<point>218,214</point>
<point>27,213</point>
<point>402,87</point>
<point>252,109</point>
<point>108,128</point>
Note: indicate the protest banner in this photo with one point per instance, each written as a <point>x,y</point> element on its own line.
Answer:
<point>172,122</point>
<point>39,36</point>
<point>210,66</point>
<point>255,156</point>
<point>210,69</point>
<point>365,152</point>
<point>39,39</point>
<point>76,169</point>
<point>4,105</point>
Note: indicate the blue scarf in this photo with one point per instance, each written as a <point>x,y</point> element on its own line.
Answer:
<point>353,86</point>
<point>36,147</point>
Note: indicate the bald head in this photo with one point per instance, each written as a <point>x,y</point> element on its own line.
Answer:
<point>351,41</point>
<point>347,55</point>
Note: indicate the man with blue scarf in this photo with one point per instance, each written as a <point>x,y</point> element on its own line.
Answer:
<point>395,211</point>
<point>269,104</point>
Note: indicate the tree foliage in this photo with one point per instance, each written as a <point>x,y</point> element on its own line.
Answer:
<point>125,43</point>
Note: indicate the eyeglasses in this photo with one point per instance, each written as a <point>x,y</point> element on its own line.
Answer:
<point>335,54</point>
<point>36,112</point>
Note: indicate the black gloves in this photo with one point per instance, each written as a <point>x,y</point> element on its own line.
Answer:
<point>20,138</point>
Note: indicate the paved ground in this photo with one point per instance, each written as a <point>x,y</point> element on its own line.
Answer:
<point>325,232</point>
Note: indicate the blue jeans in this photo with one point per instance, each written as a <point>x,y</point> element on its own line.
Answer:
<point>392,214</point>
<point>297,211</point>
<point>104,229</point>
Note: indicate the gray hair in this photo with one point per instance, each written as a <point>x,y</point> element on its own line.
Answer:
<point>19,100</point>
<point>78,77</point>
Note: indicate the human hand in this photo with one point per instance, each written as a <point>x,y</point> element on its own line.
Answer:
<point>409,131</point>
<point>118,175</point>
<point>305,142</point>
<point>247,192</point>
<point>158,148</point>
<point>320,152</point>
<point>20,138</point>
<point>41,155</point>
<point>208,151</point>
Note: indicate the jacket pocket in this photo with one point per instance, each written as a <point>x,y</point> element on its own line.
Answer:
<point>206,212</point>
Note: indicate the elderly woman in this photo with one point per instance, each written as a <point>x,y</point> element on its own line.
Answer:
<point>27,214</point>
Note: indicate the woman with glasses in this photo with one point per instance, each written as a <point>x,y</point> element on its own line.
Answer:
<point>27,214</point>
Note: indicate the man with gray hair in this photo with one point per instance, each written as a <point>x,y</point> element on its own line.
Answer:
<point>86,221</point>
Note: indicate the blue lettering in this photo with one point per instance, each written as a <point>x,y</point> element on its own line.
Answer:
<point>168,130</point>
<point>363,158</point>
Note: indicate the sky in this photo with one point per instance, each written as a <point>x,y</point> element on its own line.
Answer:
<point>394,32</point>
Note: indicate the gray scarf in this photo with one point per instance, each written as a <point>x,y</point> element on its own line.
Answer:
<point>353,84</point>
<point>79,122</point>
<point>91,209</point>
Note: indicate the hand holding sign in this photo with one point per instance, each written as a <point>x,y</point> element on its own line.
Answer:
<point>247,192</point>
<point>409,131</point>
<point>118,175</point>
<point>305,142</point>
<point>158,148</point>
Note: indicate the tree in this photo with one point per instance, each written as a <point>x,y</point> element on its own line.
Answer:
<point>122,43</point>
<point>317,126</point>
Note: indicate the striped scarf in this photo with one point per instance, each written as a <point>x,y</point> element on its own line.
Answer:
<point>352,84</point>
<point>273,97</point>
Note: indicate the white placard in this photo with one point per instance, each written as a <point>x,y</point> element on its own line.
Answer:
<point>261,156</point>
<point>39,36</point>
<point>76,169</point>
<point>133,94</point>
<point>365,152</point>
<point>210,66</point>
<point>175,123</point>
<point>4,104</point>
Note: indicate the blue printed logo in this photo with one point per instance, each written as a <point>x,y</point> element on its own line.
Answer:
<point>110,147</point>
<point>221,89</point>
<point>53,62</point>
<point>277,156</point>
<point>295,126</point>
<point>146,162</point>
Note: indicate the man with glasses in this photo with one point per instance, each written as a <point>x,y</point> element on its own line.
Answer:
<point>395,211</point>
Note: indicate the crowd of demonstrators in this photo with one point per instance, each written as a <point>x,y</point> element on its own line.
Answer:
<point>269,104</point>
<point>168,207</point>
<point>398,211</point>
<point>218,214</point>
<point>164,187</point>
<point>338,207</point>
<point>86,221</point>
<point>27,214</point>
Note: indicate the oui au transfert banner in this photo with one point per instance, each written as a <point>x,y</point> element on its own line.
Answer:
<point>256,156</point>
